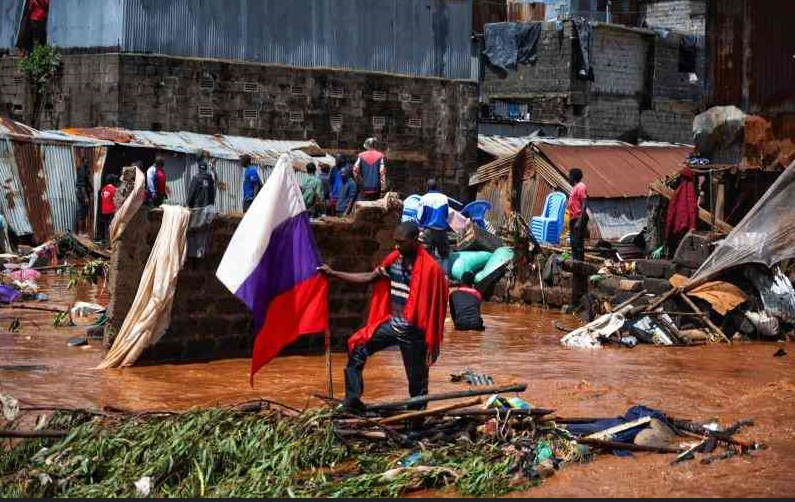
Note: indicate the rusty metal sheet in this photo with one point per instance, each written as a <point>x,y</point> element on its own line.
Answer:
<point>725,25</point>
<point>12,203</point>
<point>772,61</point>
<point>617,171</point>
<point>96,158</point>
<point>503,146</point>
<point>31,174</point>
<point>112,134</point>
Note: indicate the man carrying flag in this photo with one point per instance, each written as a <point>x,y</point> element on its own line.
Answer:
<point>408,309</point>
<point>272,263</point>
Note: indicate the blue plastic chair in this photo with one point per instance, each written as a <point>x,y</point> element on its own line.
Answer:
<point>547,228</point>
<point>411,209</point>
<point>476,211</point>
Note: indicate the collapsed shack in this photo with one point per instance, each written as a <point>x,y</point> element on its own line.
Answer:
<point>742,289</point>
<point>265,449</point>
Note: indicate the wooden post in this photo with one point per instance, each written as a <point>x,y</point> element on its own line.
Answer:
<point>706,319</point>
<point>328,364</point>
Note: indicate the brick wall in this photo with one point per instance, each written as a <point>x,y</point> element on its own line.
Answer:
<point>619,61</point>
<point>551,73</point>
<point>208,321</point>
<point>428,126</point>
<point>609,117</point>
<point>683,15</point>
<point>669,82</point>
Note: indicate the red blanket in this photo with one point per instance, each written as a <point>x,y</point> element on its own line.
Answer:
<point>426,308</point>
<point>683,207</point>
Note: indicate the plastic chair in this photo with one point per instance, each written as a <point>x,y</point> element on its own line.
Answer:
<point>476,211</point>
<point>547,228</point>
<point>411,209</point>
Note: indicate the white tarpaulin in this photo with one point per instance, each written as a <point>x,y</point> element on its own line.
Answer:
<point>129,209</point>
<point>150,314</point>
<point>766,235</point>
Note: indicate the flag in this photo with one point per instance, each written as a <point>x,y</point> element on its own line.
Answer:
<point>271,265</point>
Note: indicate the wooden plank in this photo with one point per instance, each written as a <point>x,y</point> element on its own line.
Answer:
<point>480,391</point>
<point>428,413</point>
<point>705,318</point>
<point>608,434</point>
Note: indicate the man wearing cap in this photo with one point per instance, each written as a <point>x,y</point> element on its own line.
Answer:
<point>408,309</point>
<point>370,170</point>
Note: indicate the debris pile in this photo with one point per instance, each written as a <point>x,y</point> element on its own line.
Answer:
<point>265,449</point>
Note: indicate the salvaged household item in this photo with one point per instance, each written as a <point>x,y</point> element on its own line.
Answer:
<point>548,227</point>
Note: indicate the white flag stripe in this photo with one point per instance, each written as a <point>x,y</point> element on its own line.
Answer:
<point>279,200</point>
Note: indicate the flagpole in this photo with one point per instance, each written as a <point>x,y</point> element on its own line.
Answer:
<point>328,364</point>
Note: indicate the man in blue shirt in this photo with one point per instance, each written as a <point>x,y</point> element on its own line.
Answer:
<point>348,194</point>
<point>252,183</point>
<point>432,212</point>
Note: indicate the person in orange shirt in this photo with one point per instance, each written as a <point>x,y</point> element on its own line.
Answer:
<point>107,206</point>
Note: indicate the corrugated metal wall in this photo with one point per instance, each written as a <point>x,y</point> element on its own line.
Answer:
<point>10,14</point>
<point>12,201</point>
<point>410,37</point>
<point>31,174</point>
<point>59,166</point>
<point>86,23</point>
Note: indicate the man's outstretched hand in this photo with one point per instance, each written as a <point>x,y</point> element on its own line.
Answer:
<point>325,270</point>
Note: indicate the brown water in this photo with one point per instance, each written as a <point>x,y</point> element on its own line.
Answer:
<point>521,345</point>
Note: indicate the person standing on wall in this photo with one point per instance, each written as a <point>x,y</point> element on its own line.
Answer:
<point>156,188</point>
<point>433,212</point>
<point>370,170</point>
<point>312,192</point>
<point>35,33</point>
<point>348,194</point>
<point>578,214</point>
<point>107,206</point>
<point>252,183</point>
<point>202,188</point>
<point>337,183</point>
<point>83,190</point>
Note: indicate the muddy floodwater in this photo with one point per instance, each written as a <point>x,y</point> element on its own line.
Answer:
<point>520,345</point>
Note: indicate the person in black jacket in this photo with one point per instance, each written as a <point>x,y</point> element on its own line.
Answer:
<point>465,305</point>
<point>202,188</point>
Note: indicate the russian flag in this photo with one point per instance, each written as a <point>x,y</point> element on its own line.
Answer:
<point>271,265</point>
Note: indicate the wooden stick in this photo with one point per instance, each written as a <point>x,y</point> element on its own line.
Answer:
<point>362,434</point>
<point>427,413</point>
<point>328,364</point>
<point>655,305</point>
<point>32,434</point>
<point>483,391</point>
<point>612,445</point>
<point>706,319</point>
<point>630,301</point>
<point>492,412</point>
<point>19,306</point>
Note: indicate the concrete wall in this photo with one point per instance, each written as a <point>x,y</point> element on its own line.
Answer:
<point>682,15</point>
<point>428,125</point>
<point>638,91</point>
<point>552,72</point>
<point>208,321</point>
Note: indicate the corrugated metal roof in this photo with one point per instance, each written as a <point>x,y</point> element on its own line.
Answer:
<point>503,146</point>
<point>617,171</point>
<point>12,203</point>
<point>263,151</point>
<point>18,131</point>
<point>410,37</point>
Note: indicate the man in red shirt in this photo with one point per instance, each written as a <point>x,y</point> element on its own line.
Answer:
<point>107,205</point>
<point>578,214</point>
